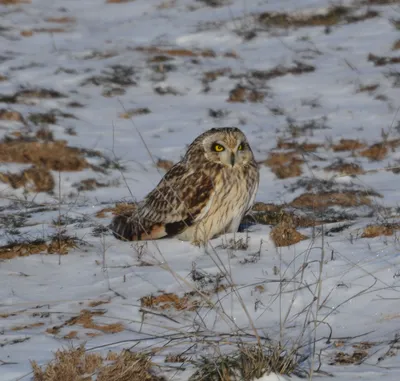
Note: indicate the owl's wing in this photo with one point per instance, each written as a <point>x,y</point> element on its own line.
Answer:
<point>170,208</point>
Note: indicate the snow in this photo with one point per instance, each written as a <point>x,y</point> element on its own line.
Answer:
<point>360,276</point>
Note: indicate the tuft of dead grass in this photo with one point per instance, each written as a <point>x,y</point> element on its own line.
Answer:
<point>324,200</point>
<point>372,231</point>
<point>379,151</point>
<point>27,326</point>
<point>396,45</point>
<point>342,358</point>
<point>76,365</point>
<point>121,208</point>
<point>55,155</point>
<point>11,115</point>
<point>32,179</point>
<point>61,20</point>
<point>241,94</point>
<point>14,2</point>
<point>345,168</point>
<point>302,147</point>
<point>297,69</point>
<point>166,165</point>
<point>285,164</point>
<point>382,60</point>
<point>169,301</point>
<point>58,245</point>
<point>134,112</point>
<point>285,234</point>
<point>178,52</point>
<point>368,88</point>
<point>348,145</point>
<point>333,16</point>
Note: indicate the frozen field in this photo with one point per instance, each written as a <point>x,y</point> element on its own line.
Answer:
<point>98,99</point>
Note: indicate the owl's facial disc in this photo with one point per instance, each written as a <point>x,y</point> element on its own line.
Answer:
<point>232,154</point>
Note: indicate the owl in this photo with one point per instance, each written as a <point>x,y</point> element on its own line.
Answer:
<point>204,195</point>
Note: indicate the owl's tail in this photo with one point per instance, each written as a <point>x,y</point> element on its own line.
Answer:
<point>131,228</point>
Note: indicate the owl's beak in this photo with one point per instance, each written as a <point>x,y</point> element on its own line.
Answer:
<point>232,159</point>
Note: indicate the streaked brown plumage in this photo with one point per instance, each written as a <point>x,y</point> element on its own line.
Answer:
<point>206,194</point>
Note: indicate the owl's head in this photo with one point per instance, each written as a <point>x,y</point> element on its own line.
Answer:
<point>227,146</point>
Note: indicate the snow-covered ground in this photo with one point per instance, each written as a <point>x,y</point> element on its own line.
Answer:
<point>178,62</point>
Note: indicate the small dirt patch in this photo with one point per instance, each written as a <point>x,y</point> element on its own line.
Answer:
<point>348,145</point>
<point>32,179</point>
<point>345,168</point>
<point>285,164</point>
<point>56,246</point>
<point>324,200</point>
<point>382,60</point>
<point>241,94</point>
<point>372,231</point>
<point>169,301</point>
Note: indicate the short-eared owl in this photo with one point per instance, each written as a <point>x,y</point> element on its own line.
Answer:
<point>206,194</point>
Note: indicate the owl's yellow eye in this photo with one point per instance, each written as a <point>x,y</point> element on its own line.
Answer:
<point>218,148</point>
<point>240,148</point>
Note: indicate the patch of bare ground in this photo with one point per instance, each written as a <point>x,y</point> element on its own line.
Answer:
<point>396,45</point>
<point>387,229</point>
<point>166,165</point>
<point>285,234</point>
<point>3,78</point>
<point>367,88</point>
<point>323,200</point>
<point>11,115</point>
<point>285,164</point>
<point>118,1</point>
<point>342,358</point>
<point>271,214</point>
<point>85,319</point>
<point>25,95</point>
<point>32,179</point>
<point>89,185</point>
<point>122,208</point>
<point>134,112</point>
<point>14,2</point>
<point>55,155</point>
<point>241,94</point>
<point>31,32</point>
<point>213,75</point>
<point>302,147</point>
<point>380,2</point>
<point>379,151</point>
<point>333,16</point>
<point>382,60</point>
<point>168,301</point>
<point>58,245</point>
<point>181,52</point>
<point>27,326</point>
<point>345,168</point>
<point>348,145</point>
<point>76,365</point>
<point>61,20</point>
<point>297,69</point>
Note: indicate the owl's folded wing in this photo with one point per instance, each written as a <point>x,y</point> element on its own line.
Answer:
<point>170,208</point>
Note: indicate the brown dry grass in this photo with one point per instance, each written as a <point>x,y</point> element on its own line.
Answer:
<point>241,94</point>
<point>31,32</point>
<point>32,179</point>
<point>57,245</point>
<point>55,155</point>
<point>324,200</point>
<point>137,111</point>
<point>342,358</point>
<point>61,20</point>
<point>27,326</point>
<point>3,78</point>
<point>303,147</point>
<point>210,76</point>
<point>76,365</point>
<point>170,301</point>
<point>367,88</point>
<point>285,164</point>
<point>372,231</point>
<point>345,168</point>
<point>10,115</point>
<point>382,60</point>
<point>335,15</point>
<point>14,2</point>
<point>348,145</point>
<point>378,151</point>
<point>396,45</point>
<point>178,52</point>
<point>121,208</point>
<point>285,234</point>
